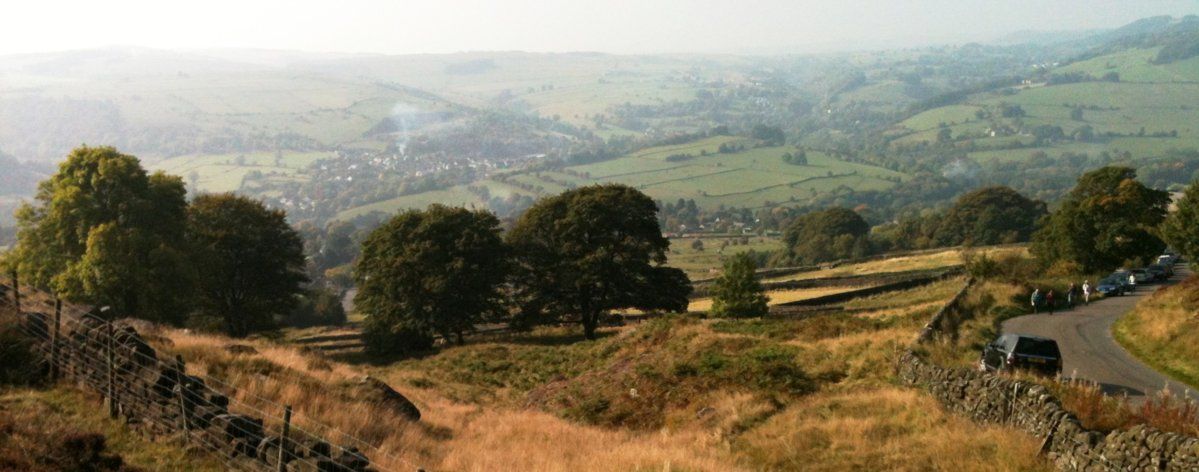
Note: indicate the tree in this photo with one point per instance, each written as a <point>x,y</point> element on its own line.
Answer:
<point>1180,228</point>
<point>697,245</point>
<point>992,215</point>
<point>737,292</point>
<point>317,307</point>
<point>425,272</point>
<point>250,262</point>
<point>835,233</point>
<point>591,250</point>
<point>103,232</point>
<point>1106,219</point>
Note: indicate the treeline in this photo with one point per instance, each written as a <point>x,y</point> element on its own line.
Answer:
<point>987,216</point>
<point>574,257</point>
<point>104,232</point>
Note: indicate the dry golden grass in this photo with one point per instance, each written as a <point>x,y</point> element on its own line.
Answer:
<point>451,435</point>
<point>777,297</point>
<point>935,260</point>
<point>856,420</point>
<point>884,429</point>
<point>35,425</point>
<point>1163,328</point>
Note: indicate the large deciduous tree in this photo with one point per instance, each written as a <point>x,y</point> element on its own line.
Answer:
<point>103,232</point>
<point>1106,219</point>
<point>1181,228</point>
<point>992,215</point>
<point>436,271</point>
<point>835,233</point>
<point>591,250</point>
<point>250,262</point>
<point>737,292</point>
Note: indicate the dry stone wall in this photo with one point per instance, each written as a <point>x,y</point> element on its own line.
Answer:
<point>993,399</point>
<point>158,395</point>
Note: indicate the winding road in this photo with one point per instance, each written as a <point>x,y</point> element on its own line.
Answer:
<point>1089,352</point>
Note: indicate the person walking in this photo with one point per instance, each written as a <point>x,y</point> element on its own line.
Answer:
<point>1049,301</point>
<point>1070,296</point>
<point>1132,281</point>
<point>1036,300</point>
<point>1086,292</point>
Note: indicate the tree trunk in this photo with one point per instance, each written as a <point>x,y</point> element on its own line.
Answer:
<point>590,322</point>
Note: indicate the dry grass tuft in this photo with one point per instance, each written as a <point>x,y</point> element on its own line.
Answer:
<point>884,429</point>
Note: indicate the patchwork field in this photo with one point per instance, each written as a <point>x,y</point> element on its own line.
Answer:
<point>1147,112</point>
<point>753,178</point>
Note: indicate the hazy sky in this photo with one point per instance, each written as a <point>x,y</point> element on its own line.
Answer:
<point>619,26</point>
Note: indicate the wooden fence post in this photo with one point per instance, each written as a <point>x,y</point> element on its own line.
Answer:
<point>54,339</point>
<point>281,466</point>
<point>179,376</point>
<point>112,377</point>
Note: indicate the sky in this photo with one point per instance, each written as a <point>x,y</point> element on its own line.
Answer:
<point>614,26</point>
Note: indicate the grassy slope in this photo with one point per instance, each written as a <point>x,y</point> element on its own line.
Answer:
<point>752,178</point>
<point>34,422</point>
<point>1162,331</point>
<point>706,263</point>
<point>685,394</point>
<point>1149,96</point>
<point>670,394</point>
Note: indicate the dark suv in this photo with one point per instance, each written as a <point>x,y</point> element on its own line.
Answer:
<point>1022,352</point>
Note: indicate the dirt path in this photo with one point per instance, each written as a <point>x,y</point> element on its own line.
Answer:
<point>1089,352</point>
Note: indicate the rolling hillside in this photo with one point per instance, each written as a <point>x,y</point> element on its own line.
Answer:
<point>749,178</point>
<point>1120,103</point>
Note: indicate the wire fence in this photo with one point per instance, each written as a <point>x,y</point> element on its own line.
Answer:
<point>159,395</point>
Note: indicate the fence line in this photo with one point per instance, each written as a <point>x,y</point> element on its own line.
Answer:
<point>116,362</point>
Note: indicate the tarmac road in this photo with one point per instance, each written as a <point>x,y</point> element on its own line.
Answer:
<point>1089,352</point>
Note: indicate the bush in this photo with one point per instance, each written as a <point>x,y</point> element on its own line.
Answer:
<point>317,307</point>
<point>17,354</point>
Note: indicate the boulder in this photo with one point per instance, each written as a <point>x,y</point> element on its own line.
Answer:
<point>375,390</point>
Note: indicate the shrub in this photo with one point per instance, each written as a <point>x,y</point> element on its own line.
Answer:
<point>16,353</point>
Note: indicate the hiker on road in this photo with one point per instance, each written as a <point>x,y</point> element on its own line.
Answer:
<point>1049,301</point>
<point>1086,292</point>
<point>1036,300</point>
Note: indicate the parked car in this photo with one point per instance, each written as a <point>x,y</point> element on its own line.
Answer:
<point>1022,352</point>
<point>1143,276</point>
<point>1123,277</point>
<point>1167,259</point>
<point>1158,272</point>
<point>1111,287</point>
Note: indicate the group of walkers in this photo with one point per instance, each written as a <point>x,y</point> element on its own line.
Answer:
<point>1048,301</point>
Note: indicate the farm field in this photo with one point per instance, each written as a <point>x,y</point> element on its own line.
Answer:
<point>778,297</point>
<point>926,261</point>
<point>1148,99</point>
<point>754,178</point>
<point>706,263</point>
<point>227,172</point>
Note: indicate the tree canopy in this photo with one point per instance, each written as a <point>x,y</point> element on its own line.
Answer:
<point>835,233</point>
<point>1108,218</point>
<point>103,232</point>
<point>591,250</point>
<point>425,272</point>
<point>737,292</point>
<point>991,215</point>
<point>1181,228</point>
<point>250,262</point>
